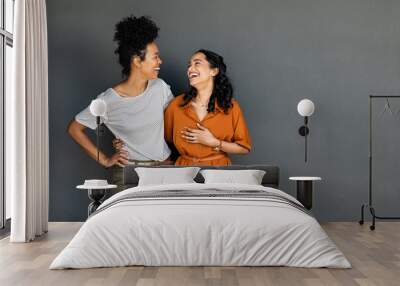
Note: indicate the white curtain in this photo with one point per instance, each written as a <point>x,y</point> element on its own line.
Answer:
<point>27,147</point>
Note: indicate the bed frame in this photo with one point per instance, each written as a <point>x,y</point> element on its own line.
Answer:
<point>271,177</point>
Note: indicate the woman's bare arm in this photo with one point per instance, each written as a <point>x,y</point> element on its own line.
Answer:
<point>77,132</point>
<point>232,148</point>
<point>203,136</point>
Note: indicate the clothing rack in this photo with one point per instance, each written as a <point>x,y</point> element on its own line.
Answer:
<point>370,205</point>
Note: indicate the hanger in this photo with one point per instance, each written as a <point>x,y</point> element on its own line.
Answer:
<point>388,108</point>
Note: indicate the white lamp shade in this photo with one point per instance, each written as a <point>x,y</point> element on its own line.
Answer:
<point>305,107</point>
<point>98,107</point>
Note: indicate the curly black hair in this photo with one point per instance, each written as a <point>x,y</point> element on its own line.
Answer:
<point>222,91</point>
<point>132,35</point>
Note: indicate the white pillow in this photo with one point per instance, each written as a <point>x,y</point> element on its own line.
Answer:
<point>164,176</point>
<point>248,177</point>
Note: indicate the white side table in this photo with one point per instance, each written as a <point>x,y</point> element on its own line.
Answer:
<point>96,194</point>
<point>305,190</point>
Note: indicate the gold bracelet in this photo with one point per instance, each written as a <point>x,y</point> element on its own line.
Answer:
<point>218,148</point>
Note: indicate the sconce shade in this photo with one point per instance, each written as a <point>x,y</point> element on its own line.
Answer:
<point>305,107</point>
<point>98,107</point>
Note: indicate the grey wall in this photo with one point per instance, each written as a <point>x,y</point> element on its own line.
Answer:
<point>335,53</point>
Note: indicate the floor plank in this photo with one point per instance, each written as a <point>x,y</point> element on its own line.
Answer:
<point>375,257</point>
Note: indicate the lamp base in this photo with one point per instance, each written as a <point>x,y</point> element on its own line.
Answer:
<point>303,130</point>
<point>102,129</point>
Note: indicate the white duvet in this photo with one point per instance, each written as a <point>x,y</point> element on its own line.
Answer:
<point>200,231</point>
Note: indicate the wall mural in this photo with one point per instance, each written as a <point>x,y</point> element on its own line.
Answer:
<point>152,127</point>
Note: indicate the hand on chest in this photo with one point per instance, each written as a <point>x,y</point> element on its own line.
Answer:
<point>218,123</point>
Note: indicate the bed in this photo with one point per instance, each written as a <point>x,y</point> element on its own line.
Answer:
<point>198,224</point>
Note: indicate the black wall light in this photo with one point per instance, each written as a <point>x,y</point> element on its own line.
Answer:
<point>98,108</point>
<point>305,108</point>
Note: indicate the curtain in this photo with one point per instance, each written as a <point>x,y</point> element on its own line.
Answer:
<point>27,147</point>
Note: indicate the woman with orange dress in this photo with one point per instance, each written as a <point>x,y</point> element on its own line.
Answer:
<point>206,124</point>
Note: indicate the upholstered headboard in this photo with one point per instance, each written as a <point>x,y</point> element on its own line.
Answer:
<point>271,177</point>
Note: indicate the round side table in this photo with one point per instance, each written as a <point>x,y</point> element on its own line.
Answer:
<point>96,194</point>
<point>305,190</point>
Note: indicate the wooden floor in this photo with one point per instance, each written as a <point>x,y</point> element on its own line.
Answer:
<point>375,257</point>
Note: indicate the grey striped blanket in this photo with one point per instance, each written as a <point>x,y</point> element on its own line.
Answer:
<point>208,194</point>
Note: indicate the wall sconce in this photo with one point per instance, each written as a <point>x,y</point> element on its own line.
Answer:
<point>98,108</point>
<point>305,108</point>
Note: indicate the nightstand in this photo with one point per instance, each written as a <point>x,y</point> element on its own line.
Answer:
<point>96,194</point>
<point>305,190</point>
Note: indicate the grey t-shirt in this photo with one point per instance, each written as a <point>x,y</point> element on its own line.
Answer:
<point>138,121</point>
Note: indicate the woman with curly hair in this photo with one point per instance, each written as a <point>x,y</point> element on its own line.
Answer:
<point>135,106</point>
<point>206,124</point>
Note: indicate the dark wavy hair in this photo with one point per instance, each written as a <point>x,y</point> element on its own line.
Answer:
<point>222,91</point>
<point>132,35</point>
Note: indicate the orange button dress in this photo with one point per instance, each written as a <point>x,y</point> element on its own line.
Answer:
<point>230,127</point>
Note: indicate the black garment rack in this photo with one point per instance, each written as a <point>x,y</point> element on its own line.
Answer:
<point>369,205</point>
